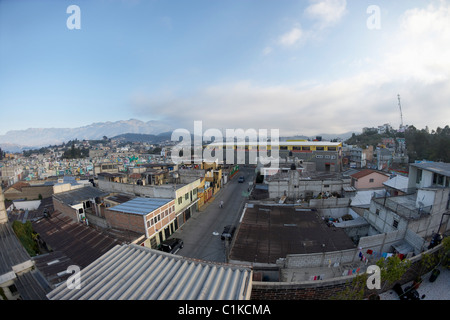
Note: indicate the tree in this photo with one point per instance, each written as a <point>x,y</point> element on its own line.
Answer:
<point>392,269</point>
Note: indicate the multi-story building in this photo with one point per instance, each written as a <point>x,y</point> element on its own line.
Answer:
<point>155,218</point>
<point>424,208</point>
<point>325,154</point>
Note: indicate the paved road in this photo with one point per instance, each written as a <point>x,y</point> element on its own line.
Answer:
<point>201,233</point>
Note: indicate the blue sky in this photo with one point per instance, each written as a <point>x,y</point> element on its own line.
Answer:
<point>304,67</point>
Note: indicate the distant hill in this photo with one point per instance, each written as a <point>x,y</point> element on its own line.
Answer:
<point>18,140</point>
<point>142,137</point>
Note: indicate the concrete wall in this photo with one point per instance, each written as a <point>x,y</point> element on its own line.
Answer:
<point>378,243</point>
<point>163,191</point>
<point>278,188</point>
<point>327,289</point>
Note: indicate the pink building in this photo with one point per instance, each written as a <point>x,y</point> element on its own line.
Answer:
<point>368,179</point>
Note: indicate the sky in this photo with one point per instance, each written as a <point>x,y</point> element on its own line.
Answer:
<point>303,67</point>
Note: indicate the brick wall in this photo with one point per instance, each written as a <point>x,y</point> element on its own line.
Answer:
<point>65,210</point>
<point>125,221</point>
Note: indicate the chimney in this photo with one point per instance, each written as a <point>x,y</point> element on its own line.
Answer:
<point>3,215</point>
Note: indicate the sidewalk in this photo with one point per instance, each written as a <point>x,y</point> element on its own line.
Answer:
<point>437,290</point>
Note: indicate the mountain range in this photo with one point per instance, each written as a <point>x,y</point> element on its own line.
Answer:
<point>32,138</point>
<point>129,130</point>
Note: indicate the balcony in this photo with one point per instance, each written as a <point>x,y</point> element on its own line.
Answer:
<point>404,205</point>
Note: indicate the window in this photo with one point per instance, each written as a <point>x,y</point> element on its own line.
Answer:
<point>180,200</point>
<point>186,196</point>
<point>320,148</point>
<point>395,224</point>
<point>419,176</point>
<point>13,289</point>
<point>331,148</point>
<point>296,148</point>
<point>306,148</point>
<point>377,212</point>
<point>371,180</point>
<point>283,147</point>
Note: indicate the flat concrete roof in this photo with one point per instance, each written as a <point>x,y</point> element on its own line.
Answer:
<point>268,233</point>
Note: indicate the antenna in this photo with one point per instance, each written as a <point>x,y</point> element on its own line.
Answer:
<point>401,115</point>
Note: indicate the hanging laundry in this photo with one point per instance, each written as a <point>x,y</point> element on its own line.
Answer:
<point>369,251</point>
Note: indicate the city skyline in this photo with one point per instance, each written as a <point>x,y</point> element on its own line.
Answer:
<point>309,67</point>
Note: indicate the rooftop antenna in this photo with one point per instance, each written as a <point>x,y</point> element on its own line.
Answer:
<point>401,115</point>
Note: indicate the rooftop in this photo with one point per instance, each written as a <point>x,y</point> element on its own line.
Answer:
<point>437,167</point>
<point>78,242</point>
<point>268,233</point>
<point>12,252</point>
<point>131,272</point>
<point>141,206</point>
<point>78,195</point>
<point>398,182</point>
<point>366,172</point>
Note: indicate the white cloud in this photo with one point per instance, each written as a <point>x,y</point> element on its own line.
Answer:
<point>267,50</point>
<point>415,64</point>
<point>291,37</point>
<point>326,13</point>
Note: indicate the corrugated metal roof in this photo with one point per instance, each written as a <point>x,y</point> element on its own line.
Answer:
<point>12,252</point>
<point>141,206</point>
<point>78,195</point>
<point>438,167</point>
<point>131,272</point>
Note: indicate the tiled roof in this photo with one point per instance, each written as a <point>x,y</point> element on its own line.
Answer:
<point>365,172</point>
<point>132,272</point>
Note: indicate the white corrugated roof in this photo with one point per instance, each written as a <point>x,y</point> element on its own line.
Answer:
<point>132,272</point>
<point>141,206</point>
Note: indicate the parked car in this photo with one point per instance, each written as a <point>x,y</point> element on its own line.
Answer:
<point>241,179</point>
<point>171,245</point>
<point>228,232</point>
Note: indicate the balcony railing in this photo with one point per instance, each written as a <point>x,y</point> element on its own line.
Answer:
<point>404,205</point>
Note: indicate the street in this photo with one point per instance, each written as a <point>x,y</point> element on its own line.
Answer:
<point>201,233</point>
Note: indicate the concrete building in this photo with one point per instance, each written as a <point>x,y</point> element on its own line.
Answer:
<point>326,155</point>
<point>154,217</point>
<point>295,183</point>
<point>29,191</point>
<point>423,210</point>
<point>78,203</point>
<point>14,259</point>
